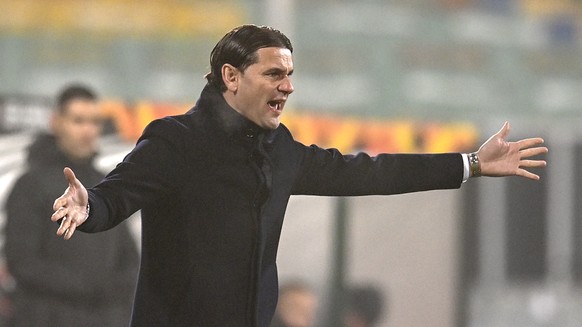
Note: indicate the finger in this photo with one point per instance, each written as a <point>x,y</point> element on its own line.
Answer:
<point>528,143</point>
<point>69,232</point>
<point>532,163</point>
<point>60,203</point>
<point>59,214</point>
<point>527,174</point>
<point>65,224</point>
<point>530,152</point>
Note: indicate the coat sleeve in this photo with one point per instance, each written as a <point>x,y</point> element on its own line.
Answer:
<point>329,172</point>
<point>148,173</point>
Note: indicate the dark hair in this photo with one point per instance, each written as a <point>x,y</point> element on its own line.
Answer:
<point>239,48</point>
<point>73,92</point>
<point>366,302</point>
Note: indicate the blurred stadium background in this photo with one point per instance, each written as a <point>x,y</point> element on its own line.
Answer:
<point>392,75</point>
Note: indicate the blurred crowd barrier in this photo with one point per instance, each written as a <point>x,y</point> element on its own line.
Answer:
<point>347,133</point>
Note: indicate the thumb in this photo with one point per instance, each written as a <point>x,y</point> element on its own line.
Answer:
<point>504,132</point>
<point>70,176</point>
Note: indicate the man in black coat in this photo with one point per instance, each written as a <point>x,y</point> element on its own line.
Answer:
<point>91,281</point>
<point>213,185</point>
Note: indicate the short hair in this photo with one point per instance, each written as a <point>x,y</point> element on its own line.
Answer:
<point>366,302</point>
<point>239,48</point>
<point>74,92</point>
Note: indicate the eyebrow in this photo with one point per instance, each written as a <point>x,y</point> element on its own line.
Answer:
<point>278,70</point>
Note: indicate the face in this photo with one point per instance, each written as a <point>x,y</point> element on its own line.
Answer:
<point>261,91</point>
<point>77,128</point>
<point>298,308</point>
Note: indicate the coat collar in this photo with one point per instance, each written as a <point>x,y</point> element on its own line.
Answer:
<point>227,122</point>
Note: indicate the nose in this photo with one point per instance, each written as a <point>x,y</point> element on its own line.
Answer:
<point>286,86</point>
<point>92,128</point>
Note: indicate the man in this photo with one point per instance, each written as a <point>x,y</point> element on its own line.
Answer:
<point>296,307</point>
<point>213,185</point>
<point>91,281</point>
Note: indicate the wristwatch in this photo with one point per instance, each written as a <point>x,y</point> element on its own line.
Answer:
<point>474,165</point>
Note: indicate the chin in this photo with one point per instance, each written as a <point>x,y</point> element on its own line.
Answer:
<point>273,126</point>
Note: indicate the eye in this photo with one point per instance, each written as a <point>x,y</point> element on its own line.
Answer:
<point>274,73</point>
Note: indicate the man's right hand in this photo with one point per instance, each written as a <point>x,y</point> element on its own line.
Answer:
<point>71,207</point>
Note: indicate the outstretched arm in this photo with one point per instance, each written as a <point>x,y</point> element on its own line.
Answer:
<point>498,157</point>
<point>71,207</point>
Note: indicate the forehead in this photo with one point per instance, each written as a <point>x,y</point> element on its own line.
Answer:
<point>81,106</point>
<point>275,56</point>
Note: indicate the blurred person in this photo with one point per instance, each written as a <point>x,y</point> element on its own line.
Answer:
<point>89,282</point>
<point>296,307</point>
<point>6,289</point>
<point>364,306</point>
<point>213,185</point>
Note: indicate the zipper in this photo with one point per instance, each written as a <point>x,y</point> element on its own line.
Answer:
<point>252,306</point>
<point>260,163</point>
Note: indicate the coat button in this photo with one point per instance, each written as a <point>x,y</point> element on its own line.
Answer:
<point>250,133</point>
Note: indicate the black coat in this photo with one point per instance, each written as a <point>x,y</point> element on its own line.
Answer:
<point>213,188</point>
<point>87,281</point>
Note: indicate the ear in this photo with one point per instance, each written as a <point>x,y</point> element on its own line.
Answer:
<point>54,122</point>
<point>230,77</point>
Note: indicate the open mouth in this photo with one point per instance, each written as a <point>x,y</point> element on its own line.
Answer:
<point>276,105</point>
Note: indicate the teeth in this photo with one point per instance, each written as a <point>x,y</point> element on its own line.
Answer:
<point>275,104</point>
